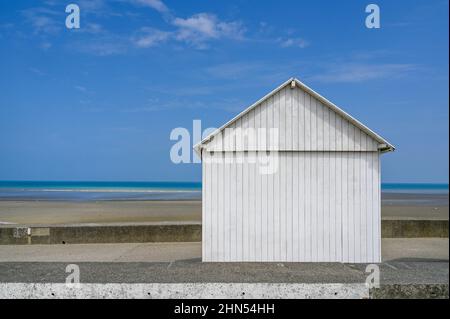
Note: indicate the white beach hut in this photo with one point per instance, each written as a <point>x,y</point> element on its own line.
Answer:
<point>292,178</point>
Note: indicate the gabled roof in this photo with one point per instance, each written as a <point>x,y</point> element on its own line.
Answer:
<point>385,146</point>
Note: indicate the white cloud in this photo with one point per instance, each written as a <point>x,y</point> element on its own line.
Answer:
<point>204,26</point>
<point>158,5</point>
<point>293,42</point>
<point>93,28</point>
<point>150,37</point>
<point>195,30</point>
<point>42,20</point>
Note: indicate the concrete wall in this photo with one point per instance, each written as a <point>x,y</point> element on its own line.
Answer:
<point>414,228</point>
<point>10,235</point>
<point>102,234</point>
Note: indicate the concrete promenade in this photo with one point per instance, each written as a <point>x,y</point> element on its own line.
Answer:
<point>411,268</point>
<point>393,249</point>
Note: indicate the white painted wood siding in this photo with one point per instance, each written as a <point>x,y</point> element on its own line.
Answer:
<point>304,123</point>
<point>318,207</point>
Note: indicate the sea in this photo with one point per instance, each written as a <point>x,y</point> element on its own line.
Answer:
<point>98,191</point>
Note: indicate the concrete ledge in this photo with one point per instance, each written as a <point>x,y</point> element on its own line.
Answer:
<point>77,234</point>
<point>410,291</point>
<point>176,232</point>
<point>222,290</point>
<point>184,291</point>
<point>409,228</point>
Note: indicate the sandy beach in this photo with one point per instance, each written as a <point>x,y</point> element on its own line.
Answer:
<point>394,206</point>
<point>62,212</point>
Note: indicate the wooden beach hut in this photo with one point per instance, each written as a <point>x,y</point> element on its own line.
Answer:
<point>292,178</point>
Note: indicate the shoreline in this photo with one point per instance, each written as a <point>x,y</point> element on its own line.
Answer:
<point>45,212</point>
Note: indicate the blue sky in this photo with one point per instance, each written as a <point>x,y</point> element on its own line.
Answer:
<point>99,103</point>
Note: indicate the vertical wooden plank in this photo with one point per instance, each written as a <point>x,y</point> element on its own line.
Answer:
<point>257,112</point>
<point>363,168</point>
<point>282,126</point>
<point>258,207</point>
<point>269,124</point>
<point>283,200</point>
<point>226,213</point>
<point>308,204</point>
<point>314,121</point>
<point>233,205</point>
<point>345,208</point>
<point>264,226</point>
<point>251,208</point>
<point>212,207</point>
<point>373,204</point>
<point>357,206</point>
<point>245,199</point>
<point>331,207</point>
<point>338,132</point>
<point>258,223</point>
<point>326,128</point>
<point>358,139</point>
<point>301,207</point>
<point>345,133</point>
<point>353,237</point>
<point>205,212</point>
<point>244,141</point>
<point>301,119</point>
<point>289,210</point>
<point>239,220</point>
<point>251,196</point>
<point>295,206</point>
<point>331,143</point>
<point>288,118</point>
<point>374,145</point>
<point>220,209</point>
<point>378,208</point>
<point>276,212</point>
<point>308,124</point>
<point>361,210</point>
<point>263,125</point>
<point>319,125</point>
<point>338,190</point>
<point>352,136</point>
<point>314,199</point>
<point>276,117</point>
<point>270,215</point>
<point>369,196</point>
<point>295,119</point>
<point>245,212</point>
<point>321,198</point>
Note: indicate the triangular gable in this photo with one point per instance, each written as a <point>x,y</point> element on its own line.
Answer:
<point>306,121</point>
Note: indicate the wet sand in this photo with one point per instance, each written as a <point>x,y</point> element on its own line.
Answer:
<point>414,206</point>
<point>52,212</point>
<point>394,206</point>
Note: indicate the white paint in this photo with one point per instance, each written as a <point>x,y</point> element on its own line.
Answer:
<point>184,291</point>
<point>321,205</point>
<point>321,129</point>
<point>295,214</point>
